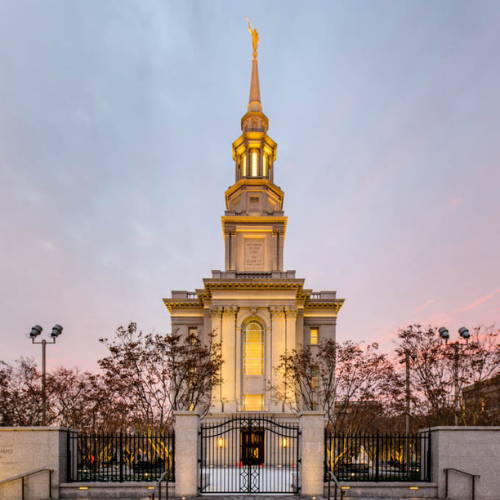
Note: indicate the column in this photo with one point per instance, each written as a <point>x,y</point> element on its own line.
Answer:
<point>217,319</point>
<point>186,453</point>
<point>312,452</point>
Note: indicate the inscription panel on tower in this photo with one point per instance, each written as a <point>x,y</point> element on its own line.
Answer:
<point>254,254</point>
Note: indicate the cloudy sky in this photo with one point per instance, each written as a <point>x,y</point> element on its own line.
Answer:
<point>116,123</point>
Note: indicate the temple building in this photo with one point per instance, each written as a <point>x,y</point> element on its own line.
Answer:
<point>256,308</point>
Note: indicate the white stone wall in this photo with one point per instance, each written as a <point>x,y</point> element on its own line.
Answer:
<point>23,449</point>
<point>472,449</point>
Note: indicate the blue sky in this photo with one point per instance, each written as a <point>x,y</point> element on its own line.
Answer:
<point>116,125</point>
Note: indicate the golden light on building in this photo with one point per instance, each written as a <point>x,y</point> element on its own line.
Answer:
<point>257,308</point>
<point>220,442</point>
<point>284,443</point>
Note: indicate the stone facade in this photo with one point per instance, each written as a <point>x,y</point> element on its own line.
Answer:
<point>254,300</point>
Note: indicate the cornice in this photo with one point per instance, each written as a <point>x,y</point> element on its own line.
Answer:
<point>178,304</point>
<point>254,182</point>
<point>253,283</point>
<point>334,304</point>
<point>258,219</point>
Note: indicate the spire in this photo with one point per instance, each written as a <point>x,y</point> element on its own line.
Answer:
<point>254,103</point>
<point>254,119</point>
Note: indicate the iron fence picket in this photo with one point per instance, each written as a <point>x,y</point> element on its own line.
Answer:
<point>379,457</point>
<point>120,457</point>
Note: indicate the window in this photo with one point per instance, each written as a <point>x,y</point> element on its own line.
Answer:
<point>193,334</point>
<point>255,164</point>
<point>264,164</point>
<point>313,335</point>
<point>253,349</point>
<point>244,164</point>
<point>253,402</point>
<point>314,378</point>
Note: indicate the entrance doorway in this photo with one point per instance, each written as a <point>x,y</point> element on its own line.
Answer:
<point>252,447</point>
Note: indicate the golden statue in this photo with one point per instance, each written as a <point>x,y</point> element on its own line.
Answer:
<point>255,37</point>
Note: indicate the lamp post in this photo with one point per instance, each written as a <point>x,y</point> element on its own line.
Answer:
<point>406,360</point>
<point>464,333</point>
<point>35,332</point>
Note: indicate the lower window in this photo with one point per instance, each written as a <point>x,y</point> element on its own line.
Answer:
<point>253,402</point>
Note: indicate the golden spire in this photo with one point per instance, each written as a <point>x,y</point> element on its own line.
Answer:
<point>254,103</point>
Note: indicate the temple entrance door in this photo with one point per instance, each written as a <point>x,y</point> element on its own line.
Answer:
<point>252,447</point>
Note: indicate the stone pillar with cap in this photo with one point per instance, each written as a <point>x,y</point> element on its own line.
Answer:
<point>186,453</point>
<point>312,452</point>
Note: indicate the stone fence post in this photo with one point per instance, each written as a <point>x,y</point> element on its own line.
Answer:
<point>186,453</point>
<point>312,452</point>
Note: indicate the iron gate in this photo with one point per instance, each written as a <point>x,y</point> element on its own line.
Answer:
<point>249,454</point>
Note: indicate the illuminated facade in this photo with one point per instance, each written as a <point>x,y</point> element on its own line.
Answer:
<point>257,309</point>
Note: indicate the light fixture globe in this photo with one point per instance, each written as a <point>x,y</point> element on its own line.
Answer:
<point>464,333</point>
<point>35,331</point>
<point>56,331</point>
<point>444,333</point>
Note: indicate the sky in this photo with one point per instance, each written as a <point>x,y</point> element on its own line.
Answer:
<point>116,124</point>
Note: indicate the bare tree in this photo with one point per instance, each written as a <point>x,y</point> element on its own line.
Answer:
<point>441,371</point>
<point>154,375</point>
<point>349,383</point>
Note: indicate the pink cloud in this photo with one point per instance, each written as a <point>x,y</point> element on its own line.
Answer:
<point>479,301</point>
<point>425,305</point>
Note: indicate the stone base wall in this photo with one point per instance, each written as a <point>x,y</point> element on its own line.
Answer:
<point>383,490</point>
<point>472,449</point>
<point>23,449</point>
<point>122,491</point>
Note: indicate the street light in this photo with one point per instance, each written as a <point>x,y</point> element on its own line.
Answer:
<point>464,333</point>
<point>35,332</point>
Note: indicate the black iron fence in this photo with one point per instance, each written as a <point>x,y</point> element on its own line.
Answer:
<point>120,457</point>
<point>380,457</point>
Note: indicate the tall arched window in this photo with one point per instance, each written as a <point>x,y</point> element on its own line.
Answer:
<point>253,349</point>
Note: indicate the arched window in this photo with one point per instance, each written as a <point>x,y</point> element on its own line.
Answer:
<point>253,349</point>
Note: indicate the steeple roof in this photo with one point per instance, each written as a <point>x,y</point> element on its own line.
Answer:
<point>254,102</point>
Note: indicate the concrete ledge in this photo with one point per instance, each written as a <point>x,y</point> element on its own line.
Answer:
<point>123,491</point>
<point>461,428</point>
<point>36,428</point>
<point>386,489</point>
